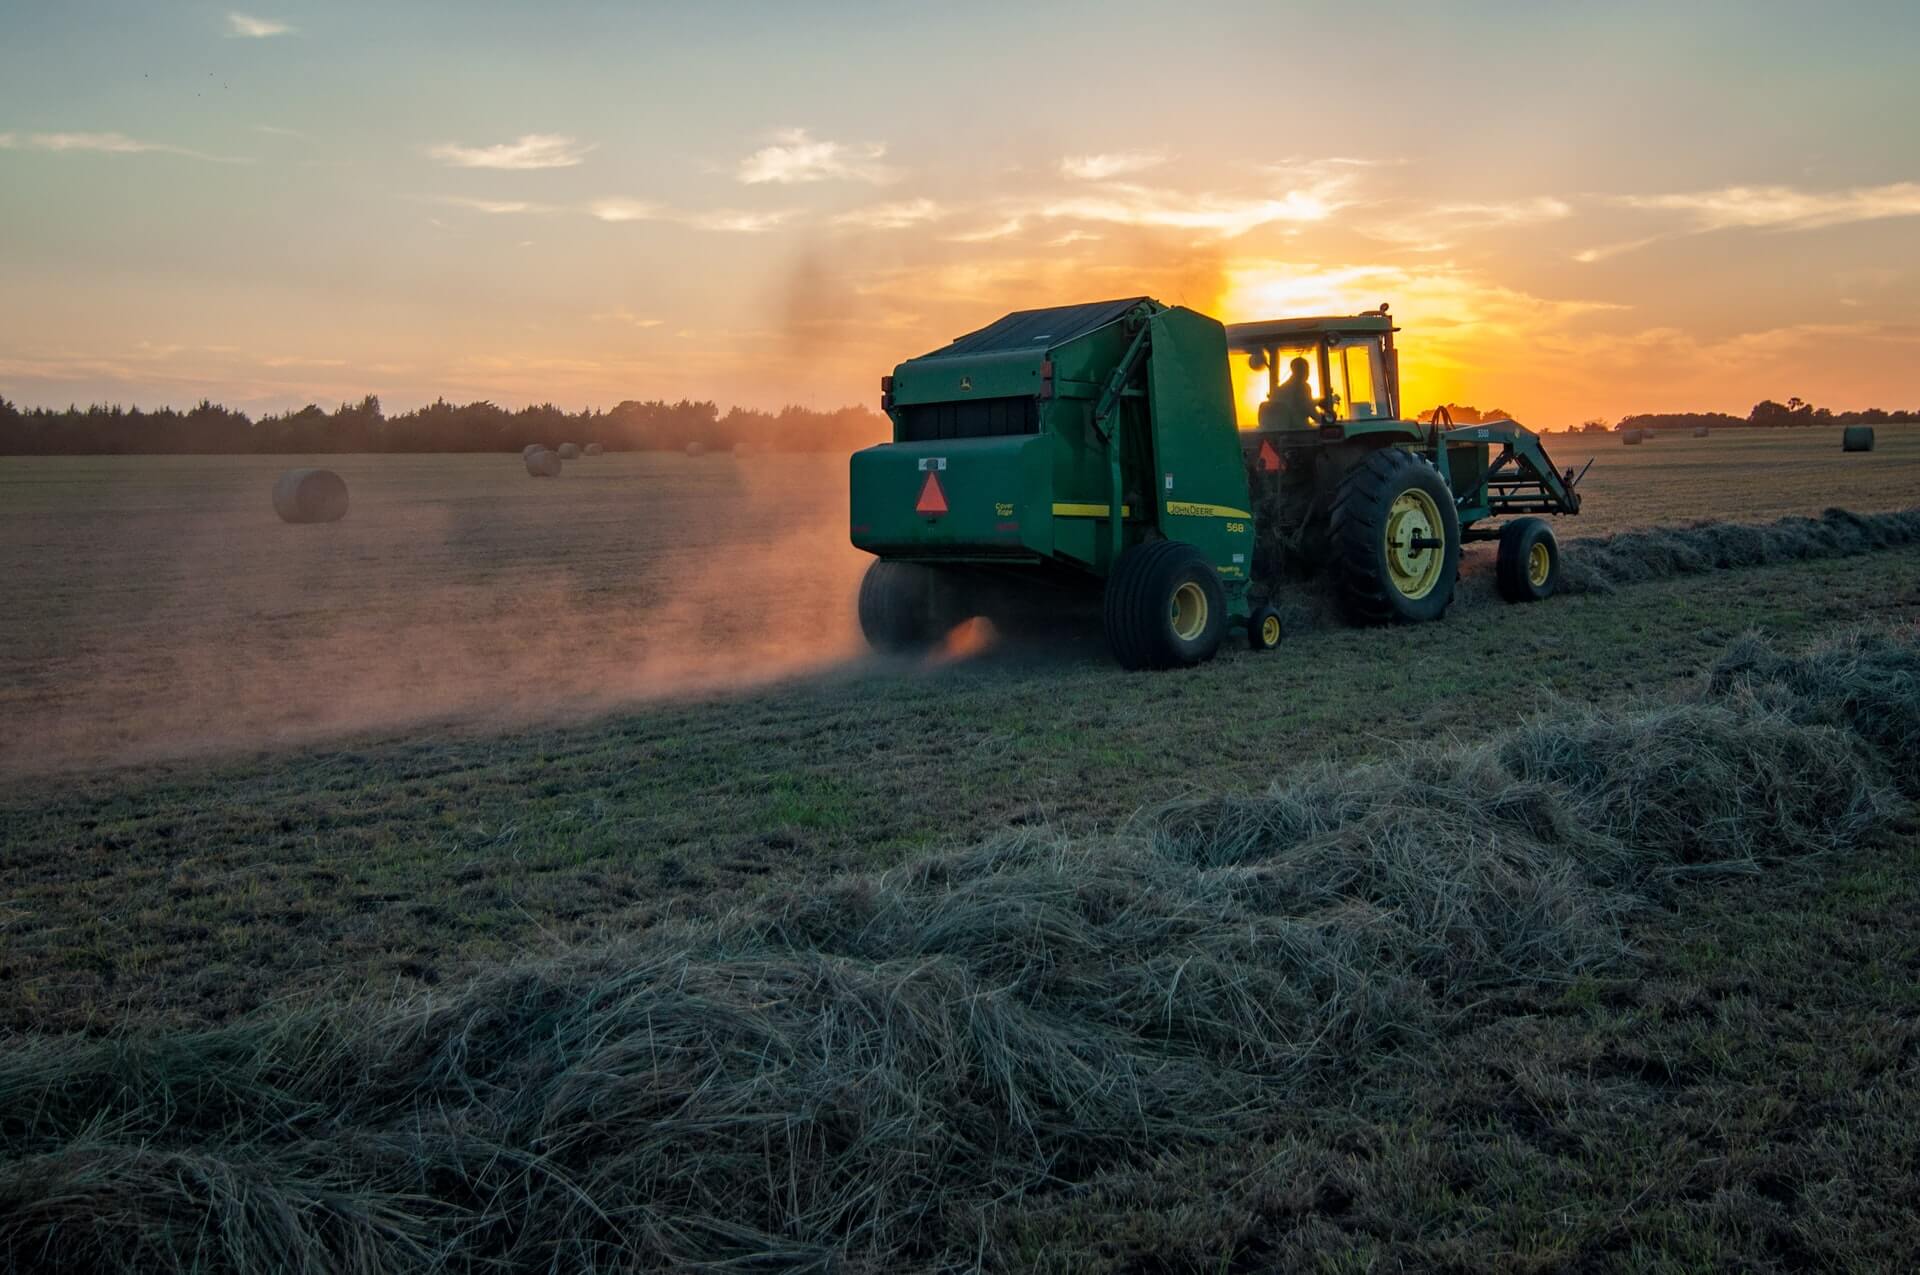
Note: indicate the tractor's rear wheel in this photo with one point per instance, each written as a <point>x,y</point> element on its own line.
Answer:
<point>1395,540</point>
<point>1165,607</point>
<point>1528,568</point>
<point>902,606</point>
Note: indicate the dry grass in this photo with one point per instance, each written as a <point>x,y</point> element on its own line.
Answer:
<point>849,1078</point>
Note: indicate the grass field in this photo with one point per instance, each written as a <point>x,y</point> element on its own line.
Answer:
<point>158,608</point>
<point>487,720</point>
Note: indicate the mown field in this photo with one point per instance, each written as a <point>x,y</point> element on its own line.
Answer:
<point>255,769</point>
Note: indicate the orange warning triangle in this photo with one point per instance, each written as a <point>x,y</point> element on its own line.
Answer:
<point>1269,458</point>
<point>932,499</point>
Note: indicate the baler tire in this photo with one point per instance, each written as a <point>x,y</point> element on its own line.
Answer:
<point>899,606</point>
<point>1357,529</point>
<point>1141,596</point>
<point>1518,569</point>
<point>1262,635</point>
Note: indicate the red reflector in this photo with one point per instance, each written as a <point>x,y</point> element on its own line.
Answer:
<point>932,499</point>
<point>1269,458</point>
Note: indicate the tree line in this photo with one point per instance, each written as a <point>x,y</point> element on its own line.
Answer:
<point>209,428</point>
<point>1766,414</point>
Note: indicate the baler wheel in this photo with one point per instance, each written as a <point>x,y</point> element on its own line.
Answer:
<point>1528,568</point>
<point>1263,629</point>
<point>1395,536</point>
<point>900,606</point>
<point>1165,607</point>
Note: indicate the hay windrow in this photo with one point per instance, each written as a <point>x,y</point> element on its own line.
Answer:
<point>1602,564</point>
<point>847,1077</point>
<point>1657,553</point>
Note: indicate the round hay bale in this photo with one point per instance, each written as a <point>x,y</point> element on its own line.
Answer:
<point>1631,437</point>
<point>531,448</point>
<point>696,448</point>
<point>543,464</point>
<point>1700,431</point>
<point>740,450</point>
<point>592,449</point>
<point>568,451</point>
<point>1857,438</point>
<point>310,495</point>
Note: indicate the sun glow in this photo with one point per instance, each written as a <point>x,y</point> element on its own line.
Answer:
<point>1434,308</point>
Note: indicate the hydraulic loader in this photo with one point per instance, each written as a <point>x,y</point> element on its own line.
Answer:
<point>1175,468</point>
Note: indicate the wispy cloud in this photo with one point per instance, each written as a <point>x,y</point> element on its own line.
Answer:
<point>894,216</point>
<point>1004,229</point>
<point>244,27</point>
<point>1510,212</point>
<point>1099,168</point>
<point>622,315</point>
<point>495,207</point>
<point>1224,215</point>
<point>1431,228</point>
<point>722,219</point>
<point>529,151</point>
<point>274,130</point>
<point>108,144</point>
<point>795,156</point>
<point>1783,207</point>
<point>1780,208</point>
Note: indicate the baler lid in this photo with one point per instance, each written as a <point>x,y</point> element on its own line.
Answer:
<point>1039,329</point>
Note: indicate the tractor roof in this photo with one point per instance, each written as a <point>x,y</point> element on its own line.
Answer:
<point>1242,336</point>
<point>1039,329</point>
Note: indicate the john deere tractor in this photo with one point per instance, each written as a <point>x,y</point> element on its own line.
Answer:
<point>1176,469</point>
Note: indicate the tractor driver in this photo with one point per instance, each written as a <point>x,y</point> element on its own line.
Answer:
<point>1291,405</point>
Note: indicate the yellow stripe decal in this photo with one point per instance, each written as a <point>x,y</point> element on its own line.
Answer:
<point>1184,509</point>
<point>1061,510</point>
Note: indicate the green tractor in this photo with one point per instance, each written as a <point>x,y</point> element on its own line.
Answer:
<point>1170,466</point>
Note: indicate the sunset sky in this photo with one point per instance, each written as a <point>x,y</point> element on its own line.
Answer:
<point>1575,210</point>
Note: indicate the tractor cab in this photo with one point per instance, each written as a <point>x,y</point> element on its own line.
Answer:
<point>1293,375</point>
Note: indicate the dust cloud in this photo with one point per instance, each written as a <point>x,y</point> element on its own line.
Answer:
<point>159,610</point>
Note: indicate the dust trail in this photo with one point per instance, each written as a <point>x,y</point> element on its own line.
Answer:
<point>167,614</point>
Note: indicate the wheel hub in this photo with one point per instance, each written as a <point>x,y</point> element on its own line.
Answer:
<point>1188,611</point>
<point>1416,543</point>
<point>1539,564</point>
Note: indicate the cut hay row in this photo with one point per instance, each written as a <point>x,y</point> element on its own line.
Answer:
<point>1600,565</point>
<point>850,1077</point>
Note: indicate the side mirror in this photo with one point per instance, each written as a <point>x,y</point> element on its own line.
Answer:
<point>1257,360</point>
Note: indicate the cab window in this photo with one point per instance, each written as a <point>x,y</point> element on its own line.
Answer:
<point>1255,374</point>
<point>1356,363</point>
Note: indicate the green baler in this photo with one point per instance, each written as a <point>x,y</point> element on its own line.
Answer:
<point>1095,447</point>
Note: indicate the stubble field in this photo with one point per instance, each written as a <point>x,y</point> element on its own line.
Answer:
<point>249,767</point>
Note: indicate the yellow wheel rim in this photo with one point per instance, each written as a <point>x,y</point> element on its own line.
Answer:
<point>1539,563</point>
<point>1412,563</point>
<point>1270,631</point>
<point>1189,611</point>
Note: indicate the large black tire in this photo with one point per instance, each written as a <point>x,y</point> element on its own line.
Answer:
<point>1382,504</point>
<point>1528,568</point>
<point>901,606</point>
<point>1165,607</point>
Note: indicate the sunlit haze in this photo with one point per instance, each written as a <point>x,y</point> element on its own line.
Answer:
<point>1574,210</point>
